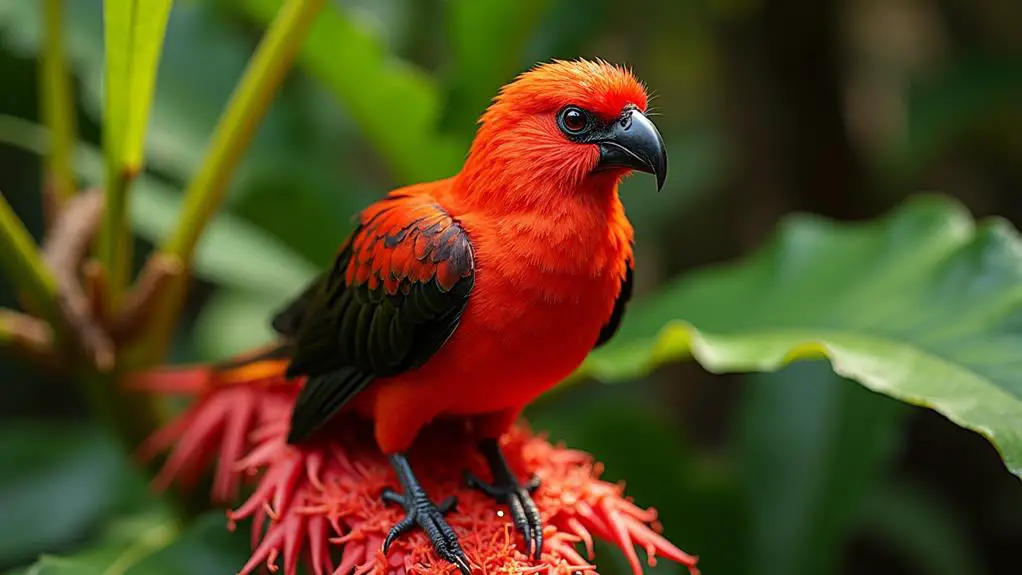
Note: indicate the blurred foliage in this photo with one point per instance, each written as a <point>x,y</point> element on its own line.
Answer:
<point>799,471</point>
<point>152,544</point>
<point>64,472</point>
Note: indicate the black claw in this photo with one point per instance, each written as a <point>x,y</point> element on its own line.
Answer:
<point>507,490</point>
<point>475,483</point>
<point>419,509</point>
<point>400,527</point>
<point>462,565</point>
<point>390,496</point>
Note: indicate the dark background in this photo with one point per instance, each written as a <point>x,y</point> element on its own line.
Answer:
<point>838,107</point>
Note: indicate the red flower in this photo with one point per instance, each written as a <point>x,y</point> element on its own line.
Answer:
<point>322,503</point>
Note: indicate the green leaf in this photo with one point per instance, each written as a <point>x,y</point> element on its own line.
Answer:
<point>396,105</point>
<point>921,305</point>
<point>810,446</point>
<point>133,37</point>
<point>56,484</point>
<point>133,31</point>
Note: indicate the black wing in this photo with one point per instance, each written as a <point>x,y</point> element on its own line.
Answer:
<point>392,299</point>
<point>623,296</point>
<point>288,321</point>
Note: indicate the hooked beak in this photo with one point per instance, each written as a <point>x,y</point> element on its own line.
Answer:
<point>632,141</point>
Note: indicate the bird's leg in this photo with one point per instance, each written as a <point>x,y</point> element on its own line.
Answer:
<point>508,490</point>
<point>420,509</point>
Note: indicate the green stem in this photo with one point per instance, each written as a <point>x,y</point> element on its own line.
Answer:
<point>244,112</point>
<point>58,104</point>
<point>23,263</point>
<point>114,248</point>
<point>133,32</point>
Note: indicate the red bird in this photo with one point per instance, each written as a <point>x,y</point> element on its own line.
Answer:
<point>470,296</point>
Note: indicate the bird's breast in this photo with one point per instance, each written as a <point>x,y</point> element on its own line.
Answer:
<point>540,298</point>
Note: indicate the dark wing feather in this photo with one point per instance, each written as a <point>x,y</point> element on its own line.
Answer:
<point>322,396</point>
<point>287,322</point>
<point>623,296</point>
<point>392,299</point>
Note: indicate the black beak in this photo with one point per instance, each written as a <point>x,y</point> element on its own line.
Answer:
<point>632,141</point>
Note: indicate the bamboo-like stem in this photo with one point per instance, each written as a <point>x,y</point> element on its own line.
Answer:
<point>114,248</point>
<point>133,32</point>
<point>23,263</point>
<point>58,107</point>
<point>244,112</point>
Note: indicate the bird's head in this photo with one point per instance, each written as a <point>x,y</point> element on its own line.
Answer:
<point>576,127</point>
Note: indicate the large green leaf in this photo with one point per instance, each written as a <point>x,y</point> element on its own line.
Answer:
<point>921,305</point>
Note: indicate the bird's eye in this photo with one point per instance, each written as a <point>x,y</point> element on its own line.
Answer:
<point>573,120</point>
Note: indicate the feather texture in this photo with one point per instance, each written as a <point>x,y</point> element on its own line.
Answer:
<point>394,296</point>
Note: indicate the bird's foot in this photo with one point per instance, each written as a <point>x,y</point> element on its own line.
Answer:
<point>419,509</point>
<point>506,489</point>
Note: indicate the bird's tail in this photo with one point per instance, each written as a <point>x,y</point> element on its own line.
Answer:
<point>263,365</point>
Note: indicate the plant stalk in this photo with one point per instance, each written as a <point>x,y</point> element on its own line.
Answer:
<point>58,106</point>
<point>133,32</point>
<point>23,263</point>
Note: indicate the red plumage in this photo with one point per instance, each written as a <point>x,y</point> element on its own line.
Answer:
<point>550,247</point>
<point>468,297</point>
